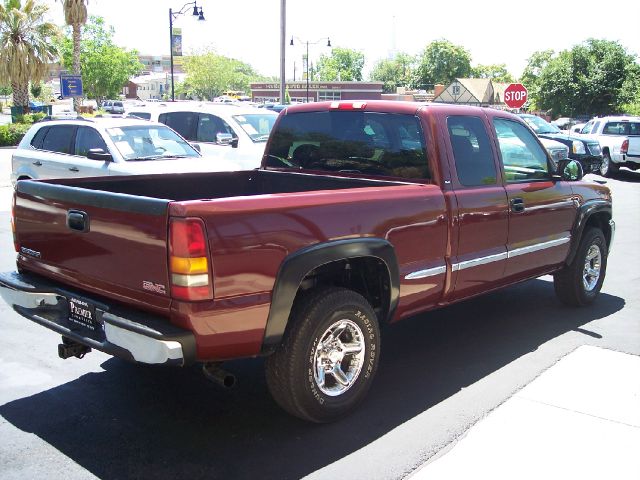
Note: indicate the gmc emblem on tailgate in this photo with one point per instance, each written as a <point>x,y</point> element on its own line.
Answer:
<point>154,287</point>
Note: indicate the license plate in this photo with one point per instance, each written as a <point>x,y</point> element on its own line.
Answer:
<point>83,313</point>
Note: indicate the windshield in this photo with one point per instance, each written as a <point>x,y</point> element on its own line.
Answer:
<point>256,125</point>
<point>150,142</point>
<point>540,125</point>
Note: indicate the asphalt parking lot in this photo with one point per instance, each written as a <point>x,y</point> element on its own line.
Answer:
<point>440,374</point>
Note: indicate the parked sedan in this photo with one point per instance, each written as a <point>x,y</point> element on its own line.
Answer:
<point>585,151</point>
<point>82,147</point>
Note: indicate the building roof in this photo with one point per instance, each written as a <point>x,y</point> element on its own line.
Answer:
<point>478,87</point>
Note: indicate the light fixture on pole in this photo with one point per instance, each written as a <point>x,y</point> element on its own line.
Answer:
<point>197,12</point>
<point>307,42</point>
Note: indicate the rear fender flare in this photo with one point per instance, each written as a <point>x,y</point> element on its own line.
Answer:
<point>297,265</point>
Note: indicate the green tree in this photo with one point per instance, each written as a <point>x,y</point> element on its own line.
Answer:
<point>496,72</point>
<point>596,77</point>
<point>395,72</point>
<point>209,74</point>
<point>75,15</point>
<point>27,46</point>
<point>530,78</point>
<point>442,62</point>
<point>343,64</point>
<point>106,67</point>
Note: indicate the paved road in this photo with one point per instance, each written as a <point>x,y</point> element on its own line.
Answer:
<point>439,374</point>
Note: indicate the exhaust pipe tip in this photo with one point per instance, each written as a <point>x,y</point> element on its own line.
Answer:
<point>214,372</point>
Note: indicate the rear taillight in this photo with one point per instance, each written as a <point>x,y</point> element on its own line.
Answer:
<point>13,222</point>
<point>624,148</point>
<point>189,260</point>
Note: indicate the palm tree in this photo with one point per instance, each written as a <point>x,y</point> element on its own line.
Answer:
<point>27,46</point>
<point>75,14</point>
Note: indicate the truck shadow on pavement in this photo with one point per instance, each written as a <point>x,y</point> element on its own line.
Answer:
<point>145,422</point>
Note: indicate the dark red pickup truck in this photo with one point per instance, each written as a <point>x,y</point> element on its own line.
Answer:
<point>363,213</point>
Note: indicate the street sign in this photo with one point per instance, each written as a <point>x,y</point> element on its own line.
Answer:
<point>71,86</point>
<point>515,95</point>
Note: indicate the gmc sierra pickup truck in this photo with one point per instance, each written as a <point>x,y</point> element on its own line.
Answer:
<point>362,213</point>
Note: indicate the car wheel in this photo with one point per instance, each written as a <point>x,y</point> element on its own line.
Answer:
<point>607,168</point>
<point>328,357</point>
<point>579,283</point>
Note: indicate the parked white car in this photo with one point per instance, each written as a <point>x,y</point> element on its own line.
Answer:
<point>82,147</point>
<point>232,132</point>
<point>619,137</point>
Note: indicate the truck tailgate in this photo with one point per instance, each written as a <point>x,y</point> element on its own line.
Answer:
<point>110,244</point>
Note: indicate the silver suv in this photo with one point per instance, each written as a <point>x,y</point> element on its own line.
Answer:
<point>113,106</point>
<point>106,146</point>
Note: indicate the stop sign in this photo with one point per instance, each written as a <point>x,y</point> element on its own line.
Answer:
<point>515,95</point>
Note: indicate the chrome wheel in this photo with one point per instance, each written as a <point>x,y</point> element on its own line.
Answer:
<point>592,266</point>
<point>604,167</point>
<point>339,357</point>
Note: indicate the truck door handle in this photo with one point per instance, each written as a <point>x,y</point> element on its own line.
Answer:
<point>517,205</point>
<point>74,169</point>
<point>37,163</point>
<point>78,221</point>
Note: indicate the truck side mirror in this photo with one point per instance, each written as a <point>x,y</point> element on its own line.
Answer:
<point>99,154</point>
<point>571,171</point>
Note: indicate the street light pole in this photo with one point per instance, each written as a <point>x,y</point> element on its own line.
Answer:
<point>283,39</point>
<point>197,12</point>
<point>307,57</point>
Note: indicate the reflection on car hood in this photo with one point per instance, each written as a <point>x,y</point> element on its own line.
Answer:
<point>175,165</point>
<point>560,137</point>
<point>548,143</point>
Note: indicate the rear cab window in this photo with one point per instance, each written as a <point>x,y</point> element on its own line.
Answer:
<point>370,143</point>
<point>472,153</point>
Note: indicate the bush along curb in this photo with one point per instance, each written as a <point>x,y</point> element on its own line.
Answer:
<point>11,134</point>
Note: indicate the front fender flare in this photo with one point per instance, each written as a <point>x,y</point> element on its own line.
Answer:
<point>297,265</point>
<point>586,211</point>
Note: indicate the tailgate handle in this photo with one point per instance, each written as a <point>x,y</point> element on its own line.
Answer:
<point>78,221</point>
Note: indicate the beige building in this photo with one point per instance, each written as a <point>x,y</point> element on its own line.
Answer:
<point>482,92</point>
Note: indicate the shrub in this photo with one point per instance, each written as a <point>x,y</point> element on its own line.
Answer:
<point>11,134</point>
<point>30,118</point>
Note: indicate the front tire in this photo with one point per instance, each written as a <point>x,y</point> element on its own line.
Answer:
<point>328,357</point>
<point>579,283</point>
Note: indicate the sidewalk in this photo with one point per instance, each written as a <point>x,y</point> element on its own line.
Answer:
<point>579,419</point>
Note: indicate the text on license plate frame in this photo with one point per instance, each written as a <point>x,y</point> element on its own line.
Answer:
<point>82,313</point>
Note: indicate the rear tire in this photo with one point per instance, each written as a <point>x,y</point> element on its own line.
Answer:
<point>608,168</point>
<point>328,357</point>
<point>579,283</point>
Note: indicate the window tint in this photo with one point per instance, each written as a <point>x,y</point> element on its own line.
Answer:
<point>36,141</point>
<point>86,139</point>
<point>182,122</point>
<point>522,156</point>
<point>58,138</point>
<point>209,126</point>
<point>621,128</point>
<point>143,115</point>
<point>471,151</point>
<point>352,142</point>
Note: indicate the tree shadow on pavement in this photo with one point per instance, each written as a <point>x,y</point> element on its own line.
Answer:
<point>144,422</point>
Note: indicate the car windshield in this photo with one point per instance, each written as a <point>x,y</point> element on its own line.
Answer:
<point>256,125</point>
<point>540,125</point>
<point>150,142</point>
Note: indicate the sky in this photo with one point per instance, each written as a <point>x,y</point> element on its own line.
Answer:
<point>493,31</point>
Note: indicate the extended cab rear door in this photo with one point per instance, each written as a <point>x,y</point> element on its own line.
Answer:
<point>479,244</point>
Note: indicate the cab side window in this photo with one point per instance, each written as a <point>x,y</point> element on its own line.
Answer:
<point>209,126</point>
<point>86,139</point>
<point>522,156</point>
<point>59,139</point>
<point>471,151</point>
<point>182,122</point>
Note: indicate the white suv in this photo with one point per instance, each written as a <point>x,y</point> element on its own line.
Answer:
<point>228,131</point>
<point>106,146</point>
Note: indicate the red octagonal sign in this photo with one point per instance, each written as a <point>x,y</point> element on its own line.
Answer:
<point>515,95</point>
